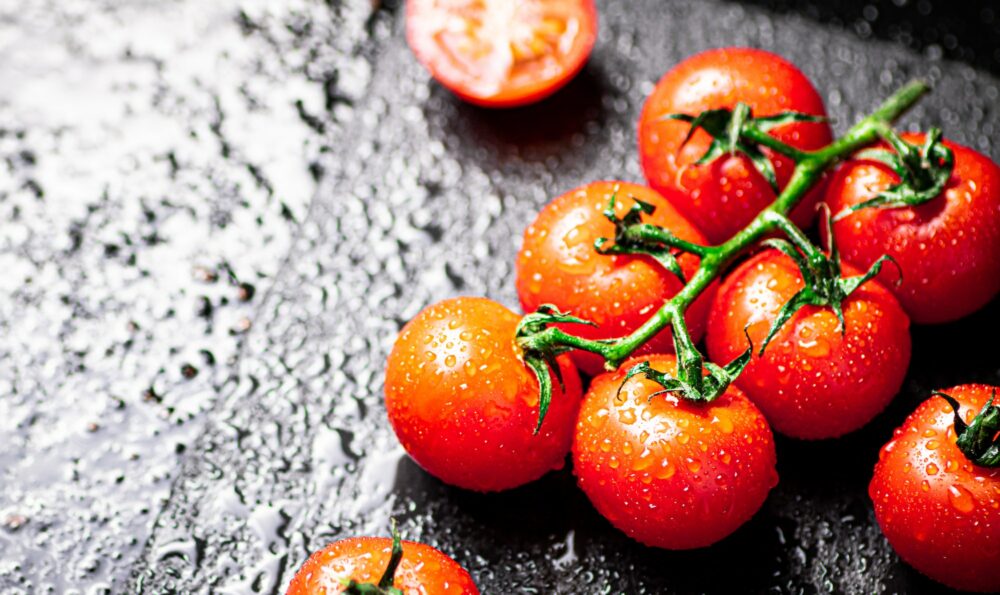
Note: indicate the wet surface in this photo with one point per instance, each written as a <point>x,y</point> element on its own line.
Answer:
<point>217,217</point>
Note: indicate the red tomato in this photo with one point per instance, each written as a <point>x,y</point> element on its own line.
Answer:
<point>422,569</point>
<point>812,381</point>
<point>668,472</point>
<point>558,265</point>
<point>501,53</point>
<point>939,511</point>
<point>465,406</point>
<point>948,248</point>
<point>721,197</point>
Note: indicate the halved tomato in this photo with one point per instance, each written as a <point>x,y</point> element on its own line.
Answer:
<point>502,53</point>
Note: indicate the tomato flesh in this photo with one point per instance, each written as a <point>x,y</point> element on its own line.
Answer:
<point>502,53</point>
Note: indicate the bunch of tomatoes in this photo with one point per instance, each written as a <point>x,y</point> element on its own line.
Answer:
<point>919,213</point>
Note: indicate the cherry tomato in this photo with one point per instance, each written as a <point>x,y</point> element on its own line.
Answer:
<point>721,197</point>
<point>422,569</point>
<point>558,265</point>
<point>939,511</point>
<point>813,381</point>
<point>465,406</point>
<point>502,53</point>
<point>668,472</point>
<point>948,248</point>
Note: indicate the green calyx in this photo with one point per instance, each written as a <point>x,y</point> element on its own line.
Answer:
<point>697,380</point>
<point>821,273</point>
<point>923,171</point>
<point>632,236</point>
<point>384,586</point>
<point>540,355</point>
<point>978,440</point>
<point>737,131</point>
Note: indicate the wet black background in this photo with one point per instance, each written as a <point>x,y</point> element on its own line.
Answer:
<point>216,219</point>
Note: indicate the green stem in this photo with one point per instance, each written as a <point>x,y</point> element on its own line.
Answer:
<point>810,167</point>
<point>764,139</point>
<point>646,233</point>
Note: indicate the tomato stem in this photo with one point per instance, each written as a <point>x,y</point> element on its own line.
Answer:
<point>810,168</point>
<point>385,584</point>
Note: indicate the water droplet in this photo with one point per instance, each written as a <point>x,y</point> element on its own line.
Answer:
<point>961,499</point>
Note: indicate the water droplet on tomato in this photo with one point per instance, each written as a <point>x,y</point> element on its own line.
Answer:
<point>666,470</point>
<point>961,499</point>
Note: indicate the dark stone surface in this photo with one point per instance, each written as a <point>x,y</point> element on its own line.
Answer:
<point>162,435</point>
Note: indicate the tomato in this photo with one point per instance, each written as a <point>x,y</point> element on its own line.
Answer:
<point>558,265</point>
<point>422,569</point>
<point>948,248</point>
<point>668,472</point>
<point>812,381</point>
<point>723,196</point>
<point>939,511</point>
<point>465,406</point>
<point>500,53</point>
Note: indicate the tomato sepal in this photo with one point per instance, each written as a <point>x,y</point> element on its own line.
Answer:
<point>737,131</point>
<point>823,285</point>
<point>385,584</point>
<point>540,355</point>
<point>632,236</point>
<point>978,440</point>
<point>692,383</point>
<point>923,171</point>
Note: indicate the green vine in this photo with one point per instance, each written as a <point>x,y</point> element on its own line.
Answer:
<point>733,131</point>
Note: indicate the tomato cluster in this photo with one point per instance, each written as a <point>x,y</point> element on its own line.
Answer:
<point>813,343</point>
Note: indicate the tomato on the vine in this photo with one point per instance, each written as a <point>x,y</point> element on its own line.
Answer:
<point>465,406</point>
<point>422,569</point>
<point>948,248</point>
<point>669,472</point>
<point>815,379</point>
<point>500,53</point>
<point>939,510</point>
<point>723,196</point>
<point>558,265</point>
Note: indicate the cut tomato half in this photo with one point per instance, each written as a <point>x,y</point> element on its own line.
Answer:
<point>502,53</point>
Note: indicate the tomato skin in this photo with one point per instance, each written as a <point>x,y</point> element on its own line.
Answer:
<point>465,406</point>
<point>812,382</point>
<point>558,265</point>
<point>948,247</point>
<point>723,196</point>
<point>423,569</point>
<point>940,512</point>
<point>641,463</point>
<point>536,79</point>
